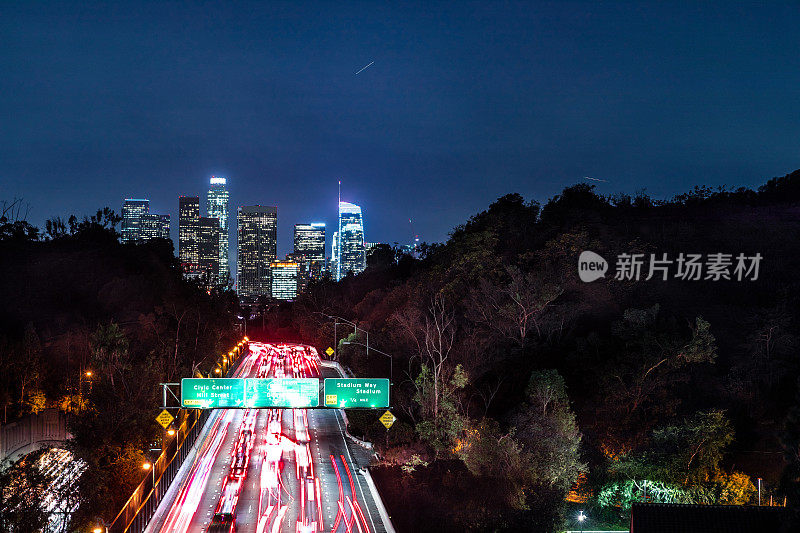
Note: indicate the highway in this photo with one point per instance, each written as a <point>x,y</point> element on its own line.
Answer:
<point>271,470</point>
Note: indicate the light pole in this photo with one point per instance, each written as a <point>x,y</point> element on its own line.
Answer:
<point>581,518</point>
<point>149,466</point>
<point>336,320</point>
<point>391,360</point>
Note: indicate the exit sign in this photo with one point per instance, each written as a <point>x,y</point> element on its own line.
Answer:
<point>354,393</point>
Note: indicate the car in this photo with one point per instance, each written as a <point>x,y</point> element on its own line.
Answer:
<point>222,523</point>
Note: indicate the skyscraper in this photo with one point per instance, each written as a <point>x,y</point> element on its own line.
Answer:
<point>284,280</point>
<point>334,264</point>
<point>132,211</point>
<point>208,242</point>
<point>257,238</point>
<point>309,240</point>
<point>309,251</point>
<point>153,226</point>
<point>352,256</point>
<point>188,226</point>
<point>218,208</point>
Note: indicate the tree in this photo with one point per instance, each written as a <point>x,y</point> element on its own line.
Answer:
<point>441,420</point>
<point>649,355</point>
<point>687,452</point>
<point>24,486</point>
<point>515,307</point>
<point>432,334</point>
<point>29,371</point>
<point>110,349</point>
<point>548,431</point>
<point>681,464</point>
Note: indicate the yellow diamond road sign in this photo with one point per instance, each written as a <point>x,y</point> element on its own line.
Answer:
<point>387,419</point>
<point>165,419</point>
<point>329,351</point>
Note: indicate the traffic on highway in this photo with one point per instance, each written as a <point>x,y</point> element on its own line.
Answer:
<point>263,470</point>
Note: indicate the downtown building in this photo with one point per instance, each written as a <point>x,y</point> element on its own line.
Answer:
<point>284,276</point>
<point>349,241</point>
<point>217,207</point>
<point>257,245</point>
<point>139,225</point>
<point>154,226</point>
<point>208,244</point>
<point>188,230</point>
<point>309,252</point>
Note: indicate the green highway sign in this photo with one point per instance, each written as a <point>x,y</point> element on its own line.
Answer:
<point>349,393</point>
<point>282,392</point>
<point>232,393</point>
<point>201,393</point>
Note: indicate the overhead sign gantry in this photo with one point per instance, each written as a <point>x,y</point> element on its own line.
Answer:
<point>287,393</point>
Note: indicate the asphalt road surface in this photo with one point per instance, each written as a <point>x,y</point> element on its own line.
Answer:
<point>270,470</point>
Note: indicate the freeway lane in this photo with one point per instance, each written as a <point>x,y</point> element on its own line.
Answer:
<point>270,470</point>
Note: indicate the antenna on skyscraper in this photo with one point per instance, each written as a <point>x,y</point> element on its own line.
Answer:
<point>340,191</point>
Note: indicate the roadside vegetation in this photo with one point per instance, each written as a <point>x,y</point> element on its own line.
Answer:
<point>523,392</point>
<point>91,327</point>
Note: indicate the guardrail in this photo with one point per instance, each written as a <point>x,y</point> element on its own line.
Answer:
<point>144,501</point>
<point>140,507</point>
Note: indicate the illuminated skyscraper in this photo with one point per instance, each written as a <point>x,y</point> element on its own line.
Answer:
<point>132,211</point>
<point>309,251</point>
<point>188,226</point>
<point>334,263</point>
<point>284,280</point>
<point>208,250</point>
<point>309,240</point>
<point>352,256</point>
<point>218,208</point>
<point>257,239</point>
<point>154,226</point>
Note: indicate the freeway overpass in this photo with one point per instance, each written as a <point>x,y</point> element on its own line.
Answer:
<point>271,470</point>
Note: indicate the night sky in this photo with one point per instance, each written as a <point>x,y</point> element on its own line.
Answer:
<point>465,102</point>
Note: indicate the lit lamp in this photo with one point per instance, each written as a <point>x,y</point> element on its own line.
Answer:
<point>171,432</point>
<point>217,370</point>
<point>88,373</point>
<point>581,518</point>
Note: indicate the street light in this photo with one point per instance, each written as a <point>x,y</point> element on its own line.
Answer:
<point>336,320</point>
<point>581,518</point>
<point>368,347</point>
<point>171,432</point>
<point>149,466</point>
<point>217,370</point>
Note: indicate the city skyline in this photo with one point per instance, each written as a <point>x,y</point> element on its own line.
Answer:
<point>217,196</point>
<point>555,98</point>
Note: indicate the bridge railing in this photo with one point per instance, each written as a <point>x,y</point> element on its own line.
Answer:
<point>144,501</point>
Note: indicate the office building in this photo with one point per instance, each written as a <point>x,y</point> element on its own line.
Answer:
<point>132,211</point>
<point>217,205</point>
<point>309,252</point>
<point>352,256</point>
<point>153,226</point>
<point>309,241</point>
<point>284,280</point>
<point>257,240</point>
<point>188,226</point>
<point>334,261</point>
<point>208,250</point>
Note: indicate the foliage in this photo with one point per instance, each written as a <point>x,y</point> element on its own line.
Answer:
<point>441,422</point>
<point>22,488</point>
<point>548,431</point>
